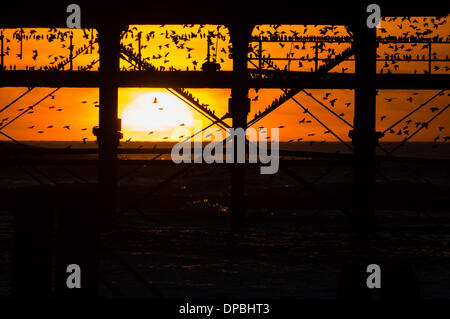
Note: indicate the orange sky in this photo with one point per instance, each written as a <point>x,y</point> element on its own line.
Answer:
<point>75,106</point>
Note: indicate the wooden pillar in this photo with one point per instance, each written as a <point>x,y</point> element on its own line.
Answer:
<point>108,132</point>
<point>364,135</point>
<point>239,107</point>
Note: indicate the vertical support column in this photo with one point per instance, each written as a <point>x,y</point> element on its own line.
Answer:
<point>90,41</point>
<point>429,57</point>
<point>139,35</point>
<point>239,107</point>
<point>316,57</point>
<point>71,51</point>
<point>208,45</point>
<point>2,52</point>
<point>364,135</point>
<point>260,57</point>
<point>21,44</point>
<point>108,133</point>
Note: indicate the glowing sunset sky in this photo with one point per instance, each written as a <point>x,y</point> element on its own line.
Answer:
<point>76,107</point>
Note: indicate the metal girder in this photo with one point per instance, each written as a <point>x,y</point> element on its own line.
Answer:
<point>53,14</point>
<point>220,79</point>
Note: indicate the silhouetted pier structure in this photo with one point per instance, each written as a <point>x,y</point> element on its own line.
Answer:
<point>110,22</point>
<point>109,77</point>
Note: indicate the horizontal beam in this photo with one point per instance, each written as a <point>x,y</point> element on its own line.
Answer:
<point>221,79</point>
<point>412,81</point>
<point>345,39</point>
<point>317,156</point>
<point>89,151</point>
<point>157,79</point>
<point>65,162</point>
<point>25,78</point>
<point>53,14</point>
<point>291,162</point>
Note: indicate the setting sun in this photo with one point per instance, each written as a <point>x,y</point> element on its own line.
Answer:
<point>154,115</point>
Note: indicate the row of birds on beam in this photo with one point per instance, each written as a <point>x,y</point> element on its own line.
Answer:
<point>179,40</point>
